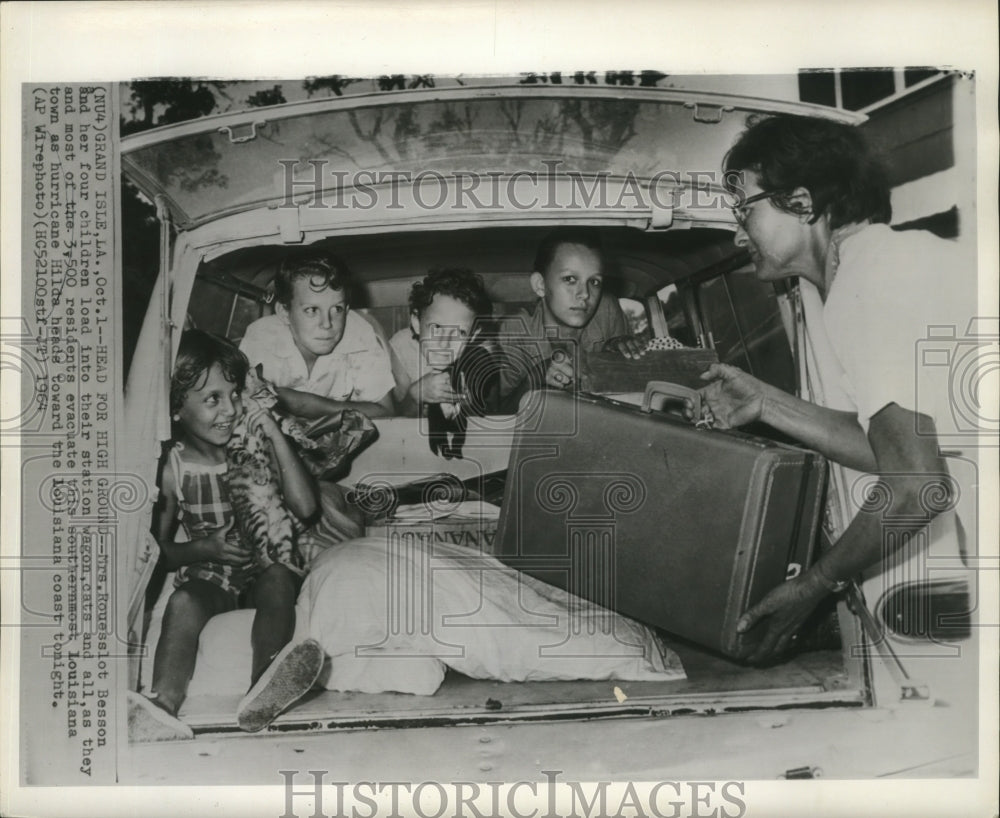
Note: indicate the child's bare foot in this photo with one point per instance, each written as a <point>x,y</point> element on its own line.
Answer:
<point>148,721</point>
<point>289,676</point>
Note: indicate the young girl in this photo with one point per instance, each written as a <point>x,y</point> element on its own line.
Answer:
<point>216,572</point>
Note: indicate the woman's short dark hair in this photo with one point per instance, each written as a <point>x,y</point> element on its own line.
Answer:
<point>459,283</point>
<point>833,161</point>
<point>589,237</point>
<point>324,270</point>
<point>198,352</point>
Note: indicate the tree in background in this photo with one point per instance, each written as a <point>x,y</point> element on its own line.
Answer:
<point>268,96</point>
<point>165,101</point>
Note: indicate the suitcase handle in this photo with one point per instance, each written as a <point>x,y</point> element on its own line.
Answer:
<point>671,390</point>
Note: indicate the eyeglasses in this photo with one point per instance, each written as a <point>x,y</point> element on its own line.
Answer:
<point>740,212</point>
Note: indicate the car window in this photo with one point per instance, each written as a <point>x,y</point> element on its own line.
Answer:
<point>218,309</point>
<point>222,169</point>
<point>676,319</point>
<point>744,320</point>
<point>635,315</point>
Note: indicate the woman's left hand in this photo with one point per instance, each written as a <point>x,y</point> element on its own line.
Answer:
<point>781,613</point>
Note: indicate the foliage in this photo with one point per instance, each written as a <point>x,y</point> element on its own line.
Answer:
<point>269,96</point>
<point>165,101</point>
<point>335,84</point>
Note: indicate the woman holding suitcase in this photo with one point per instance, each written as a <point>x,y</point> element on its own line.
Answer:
<point>813,203</point>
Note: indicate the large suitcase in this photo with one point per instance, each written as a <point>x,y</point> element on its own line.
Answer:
<point>676,526</point>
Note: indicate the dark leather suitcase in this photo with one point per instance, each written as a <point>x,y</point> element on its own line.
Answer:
<point>679,527</point>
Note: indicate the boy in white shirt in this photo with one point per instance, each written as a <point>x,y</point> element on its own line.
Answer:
<point>321,356</point>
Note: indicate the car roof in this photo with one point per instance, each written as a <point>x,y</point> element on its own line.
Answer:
<point>215,166</point>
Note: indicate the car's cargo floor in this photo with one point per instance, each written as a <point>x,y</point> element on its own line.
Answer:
<point>714,684</point>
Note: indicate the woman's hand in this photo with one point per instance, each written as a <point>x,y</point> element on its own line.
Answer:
<point>222,545</point>
<point>781,613</point>
<point>733,397</point>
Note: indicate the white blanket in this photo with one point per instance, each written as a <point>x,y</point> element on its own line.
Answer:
<point>393,617</point>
